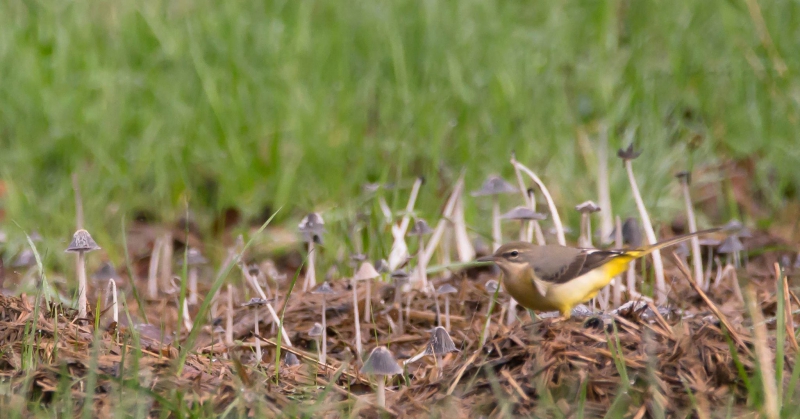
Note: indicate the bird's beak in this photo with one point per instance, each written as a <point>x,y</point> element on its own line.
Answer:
<point>490,258</point>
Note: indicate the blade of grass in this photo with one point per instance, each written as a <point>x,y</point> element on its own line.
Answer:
<point>279,339</point>
<point>202,313</point>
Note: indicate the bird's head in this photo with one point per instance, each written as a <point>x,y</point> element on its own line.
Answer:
<point>513,258</point>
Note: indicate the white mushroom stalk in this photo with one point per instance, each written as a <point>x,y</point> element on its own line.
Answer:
<point>253,283</point>
<point>603,190</point>
<point>399,252</point>
<point>627,157</point>
<point>166,259</point>
<point>311,227</point>
<point>324,290</point>
<point>366,272</point>
<point>152,272</point>
<point>229,316</point>
<point>697,260</point>
<point>81,244</point>
<point>420,278</point>
<point>464,248</point>
<point>550,204</point>
<point>112,294</point>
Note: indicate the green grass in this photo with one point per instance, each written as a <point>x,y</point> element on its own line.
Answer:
<point>296,104</point>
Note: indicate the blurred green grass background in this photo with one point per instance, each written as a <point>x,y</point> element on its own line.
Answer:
<point>296,104</point>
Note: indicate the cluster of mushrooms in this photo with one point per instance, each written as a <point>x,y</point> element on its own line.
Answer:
<point>449,238</point>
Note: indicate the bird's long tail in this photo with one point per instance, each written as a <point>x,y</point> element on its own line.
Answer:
<point>644,251</point>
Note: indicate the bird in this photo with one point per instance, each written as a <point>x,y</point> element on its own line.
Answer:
<point>558,278</point>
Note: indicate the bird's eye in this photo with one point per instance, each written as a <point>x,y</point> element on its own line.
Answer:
<point>514,253</point>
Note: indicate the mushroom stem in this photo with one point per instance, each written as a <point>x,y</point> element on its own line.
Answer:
<point>357,319</point>
<point>438,310</point>
<point>408,307</point>
<point>658,265</point>
<point>324,352</point>
<point>229,317</point>
<point>422,270</point>
<point>166,260</point>
<point>511,311</point>
<point>381,392</point>
<point>603,191</point>
<point>152,272</point>
<point>697,260</point>
<point>497,235</point>
<point>464,247</point>
<point>193,285</point>
<point>115,309</point>
<point>255,331</point>
<point>439,366</point>
<point>311,275</point>
<point>586,231</point>
<point>447,312</point>
<point>368,302</point>
<point>81,268</point>
<point>550,203</point>
<point>618,280</point>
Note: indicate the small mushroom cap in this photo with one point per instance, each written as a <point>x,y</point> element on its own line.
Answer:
<point>366,271</point>
<point>312,222</point>
<point>491,286</point>
<point>312,226</point>
<point>254,270</point>
<point>631,234</point>
<point>587,207</point>
<point>291,359</point>
<point>523,213</point>
<point>381,362</point>
<point>399,276</point>
<point>24,259</point>
<point>315,330</point>
<point>82,241</point>
<point>628,153</point>
<point>446,289</point>
<point>194,257</point>
<point>324,288</point>
<point>682,249</point>
<point>494,185</point>
<point>440,343</point>
<point>255,302</point>
<point>738,229</point>
<point>218,329</point>
<point>731,244</point>
<point>358,257</point>
<point>420,228</point>
<point>106,271</point>
<point>684,176</point>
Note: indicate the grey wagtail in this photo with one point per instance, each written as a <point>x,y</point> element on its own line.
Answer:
<point>553,277</point>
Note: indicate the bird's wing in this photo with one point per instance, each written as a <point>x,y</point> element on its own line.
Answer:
<point>568,265</point>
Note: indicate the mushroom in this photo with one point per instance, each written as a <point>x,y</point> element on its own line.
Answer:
<point>627,156</point>
<point>446,290</point>
<point>421,229</point>
<point>152,271</point>
<point>711,243</point>
<point>494,186</point>
<point>365,272</point>
<point>439,345</point>
<point>731,246</point>
<point>112,294</point>
<point>194,259</point>
<point>291,359</point>
<point>740,231</point>
<point>380,364</point>
<point>586,209</point>
<point>525,216</point>
<point>82,242</point>
<point>368,297</point>
<point>400,279</point>
<point>558,227</point>
<point>256,303</point>
<point>603,190</point>
<point>311,227</point>
<point>316,332</point>
<point>685,179</point>
<point>325,290</point>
